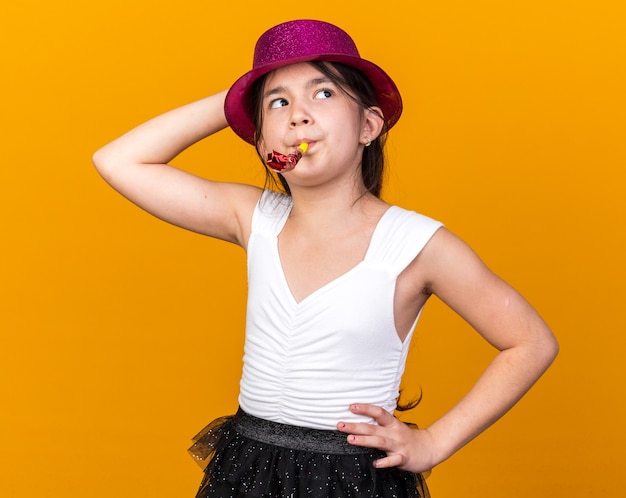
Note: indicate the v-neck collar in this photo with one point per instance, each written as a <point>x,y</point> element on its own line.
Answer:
<point>335,281</point>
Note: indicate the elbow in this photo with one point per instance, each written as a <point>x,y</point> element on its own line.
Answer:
<point>555,348</point>
<point>104,163</point>
<point>548,350</point>
<point>99,160</point>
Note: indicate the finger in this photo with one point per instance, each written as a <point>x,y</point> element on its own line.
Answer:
<point>382,416</point>
<point>358,428</point>
<point>377,442</point>
<point>394,460</point>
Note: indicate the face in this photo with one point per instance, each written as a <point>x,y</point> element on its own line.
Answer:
<point>300,104</point>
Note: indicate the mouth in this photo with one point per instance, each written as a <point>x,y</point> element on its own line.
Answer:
<point>286,162</point>
<point>304,142</point>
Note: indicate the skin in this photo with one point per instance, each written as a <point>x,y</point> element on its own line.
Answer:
<point>328,232</point>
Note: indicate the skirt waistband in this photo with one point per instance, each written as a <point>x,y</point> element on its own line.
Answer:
<point>294,437</point>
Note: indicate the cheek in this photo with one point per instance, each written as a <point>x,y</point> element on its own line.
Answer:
<point>261,148</point>
<point>269,139</point>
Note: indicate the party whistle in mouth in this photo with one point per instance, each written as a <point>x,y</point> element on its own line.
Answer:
<point>286,162</point>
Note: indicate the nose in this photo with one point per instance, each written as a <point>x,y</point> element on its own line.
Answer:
<point>300,114</point>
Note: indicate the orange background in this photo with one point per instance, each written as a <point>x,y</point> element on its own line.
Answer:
<point>121,336</point>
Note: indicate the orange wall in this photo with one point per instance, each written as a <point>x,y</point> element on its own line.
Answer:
<point>121,336</point>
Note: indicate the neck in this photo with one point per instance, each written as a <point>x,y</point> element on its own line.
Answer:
<point>327,207</point>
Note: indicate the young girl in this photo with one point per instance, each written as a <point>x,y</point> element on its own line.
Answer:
<point>337,278</point>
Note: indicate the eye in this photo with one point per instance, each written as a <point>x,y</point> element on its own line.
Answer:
<point>324,93</point>
<point>276,103</point>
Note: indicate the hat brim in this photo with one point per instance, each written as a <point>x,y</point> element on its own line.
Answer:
<point>238,103</point>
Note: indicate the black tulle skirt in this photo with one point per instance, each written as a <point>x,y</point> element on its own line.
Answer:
<point>244,456</point>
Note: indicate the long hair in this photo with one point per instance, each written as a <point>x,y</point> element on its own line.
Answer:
<point>355,85</point>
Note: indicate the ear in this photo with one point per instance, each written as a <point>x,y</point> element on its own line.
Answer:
<point>373,123</point>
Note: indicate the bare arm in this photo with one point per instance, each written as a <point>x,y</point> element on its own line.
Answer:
<point>136,166</point>
<point>506,320</point>
<point>526,348</point>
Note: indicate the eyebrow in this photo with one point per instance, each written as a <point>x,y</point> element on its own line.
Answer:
<point>311,83</point>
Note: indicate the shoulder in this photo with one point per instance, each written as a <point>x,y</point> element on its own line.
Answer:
<point>408,228</point>
<point>268,213</point>
<point>449,265</point>
<point>272,201</point>
<point>407,217</point>
<point>271,206</point>
<point>401,235</point>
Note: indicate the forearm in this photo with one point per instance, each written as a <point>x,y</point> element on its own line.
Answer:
<point>162,138</point>
<point>509,376</point>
